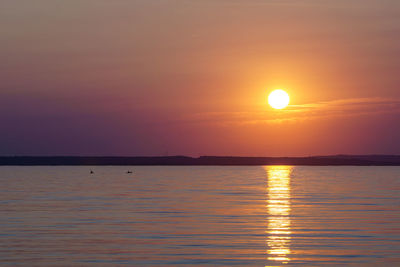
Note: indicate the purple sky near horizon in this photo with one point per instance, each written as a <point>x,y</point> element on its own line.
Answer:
<point>98,77</point>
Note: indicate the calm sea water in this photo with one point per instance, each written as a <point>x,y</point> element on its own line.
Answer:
<point>200,216</point>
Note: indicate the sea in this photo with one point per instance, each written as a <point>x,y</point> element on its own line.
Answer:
<point>199,216</point>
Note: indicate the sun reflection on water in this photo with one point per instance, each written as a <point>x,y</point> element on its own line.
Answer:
<point>278,213</point>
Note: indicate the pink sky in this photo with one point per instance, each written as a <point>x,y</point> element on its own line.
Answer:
<point>101,77</point>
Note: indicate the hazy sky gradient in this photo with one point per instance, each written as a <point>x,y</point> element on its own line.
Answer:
<point>100,77</point>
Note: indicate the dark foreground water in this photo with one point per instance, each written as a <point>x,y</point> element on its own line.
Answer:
<point>207,216</point>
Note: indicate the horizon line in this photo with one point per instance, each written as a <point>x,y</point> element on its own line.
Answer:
<point>186,156</point>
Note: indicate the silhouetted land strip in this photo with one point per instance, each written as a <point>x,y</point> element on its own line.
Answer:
<point>340,160</point>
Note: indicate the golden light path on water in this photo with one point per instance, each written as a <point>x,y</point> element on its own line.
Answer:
<point>278,208</point>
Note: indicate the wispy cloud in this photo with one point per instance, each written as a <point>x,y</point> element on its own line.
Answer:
<point>346,107</point>
<point>297,113</point>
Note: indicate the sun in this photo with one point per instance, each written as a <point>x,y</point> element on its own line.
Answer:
<point>278,99</point>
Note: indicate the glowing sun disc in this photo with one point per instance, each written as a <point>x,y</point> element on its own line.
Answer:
<point>278,99</point>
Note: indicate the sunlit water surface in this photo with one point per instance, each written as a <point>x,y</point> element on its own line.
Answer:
<point>208,216</point>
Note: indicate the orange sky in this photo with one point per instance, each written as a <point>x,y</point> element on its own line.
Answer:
<point>119,77</point>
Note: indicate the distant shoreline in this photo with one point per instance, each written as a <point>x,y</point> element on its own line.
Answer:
<point>336,160</point>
